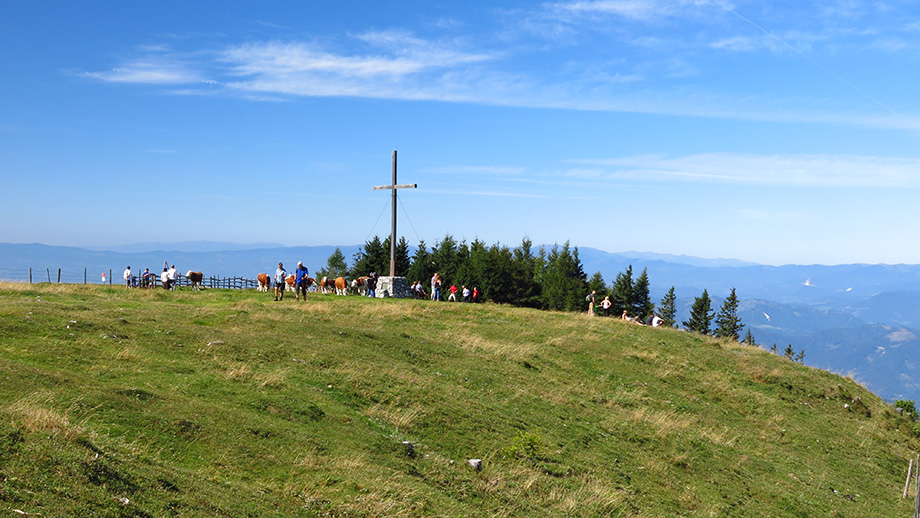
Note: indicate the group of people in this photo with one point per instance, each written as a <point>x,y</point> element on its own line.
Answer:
<point>467,295</point>
<point>301,282</point>
<point>652,320</point>
<point>168,278</point>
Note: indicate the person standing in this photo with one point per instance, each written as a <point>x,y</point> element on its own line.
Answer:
<point>173,276</point>
<point>590,299</point>
<point>372,285</point>
<point>280,277</point>
<point>605,305</point>
<point>127,277</point>
<point>475,294</point>
<point>453,293</point>
<point>164,278</point>
<point>466,294</point>
<point>300,280</point>
<point>436,287</point>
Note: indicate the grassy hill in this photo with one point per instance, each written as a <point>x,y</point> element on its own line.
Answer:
<point>226,403</point>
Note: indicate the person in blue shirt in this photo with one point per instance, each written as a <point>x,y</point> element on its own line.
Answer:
<point>301,274</point>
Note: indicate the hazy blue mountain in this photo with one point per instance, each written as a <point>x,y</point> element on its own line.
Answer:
<point>16,259</point>
<point>883,358</point>
<point>185,246</point>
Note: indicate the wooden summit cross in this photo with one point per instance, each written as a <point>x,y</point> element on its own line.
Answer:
<point>393,188</point>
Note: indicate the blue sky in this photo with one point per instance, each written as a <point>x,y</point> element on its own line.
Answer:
<point>774,132</point>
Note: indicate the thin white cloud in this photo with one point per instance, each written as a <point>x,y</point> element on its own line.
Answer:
<point>789,170</point>
<point>150,71</point>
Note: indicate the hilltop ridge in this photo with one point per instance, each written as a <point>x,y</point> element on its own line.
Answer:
<point>145,403</point>
<point>837,314</point>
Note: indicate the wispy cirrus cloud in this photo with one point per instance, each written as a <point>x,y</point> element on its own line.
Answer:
<point>154,70</point>
<point>637,9</point>
<point>646,72</point>
<point>784,170</point>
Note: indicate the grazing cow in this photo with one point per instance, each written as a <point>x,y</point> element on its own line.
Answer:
<point>195,278</point>
<point>326,284</point>
<point>359,285</point>
<point>341,286</point>
<point>264,281</point>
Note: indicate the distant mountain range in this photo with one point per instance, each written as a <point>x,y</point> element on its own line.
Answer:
<point>859,320</point>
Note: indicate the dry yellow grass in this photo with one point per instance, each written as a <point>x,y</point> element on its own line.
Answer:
<point>37,415</point>
<point>663,423</point>
<point>513,349</point>
<point>394,415</point>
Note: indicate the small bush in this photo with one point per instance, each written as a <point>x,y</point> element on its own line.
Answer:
<point>526,445</point>
<point>909,408</point>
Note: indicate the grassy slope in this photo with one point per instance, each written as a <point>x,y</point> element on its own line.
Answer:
<point>225,403</point>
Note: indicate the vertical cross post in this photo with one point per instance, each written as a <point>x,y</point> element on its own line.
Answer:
<point>393,188</point>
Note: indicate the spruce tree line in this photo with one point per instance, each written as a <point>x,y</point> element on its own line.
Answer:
<point>545,279</point>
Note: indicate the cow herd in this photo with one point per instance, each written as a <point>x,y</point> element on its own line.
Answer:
<point>338,285</point>
<point>326,285</point>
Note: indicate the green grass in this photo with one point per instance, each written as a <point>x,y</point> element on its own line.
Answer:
<point>119,402</point>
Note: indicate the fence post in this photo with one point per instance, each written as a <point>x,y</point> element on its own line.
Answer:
<point>910,469</point>
<point>48,271</point>
<point>917,489</point>
<point>30,275</point>
<point>84,275</point>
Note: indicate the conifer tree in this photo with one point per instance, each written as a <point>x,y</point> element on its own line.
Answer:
<point>422,268</point>
<point>524,286</point>
<point>596,283</point>
<point>668,308</point>
<point>701,314</point>
<point>464,276</point>
<point>335,266</point>
<point>498,284</point>
<point>372,258</point>
<point>728,323</point>
<point>482,269</point>
<point>563,282</point>
<point>447,260</point>
<point>640,301</point>
<point>621,295</point>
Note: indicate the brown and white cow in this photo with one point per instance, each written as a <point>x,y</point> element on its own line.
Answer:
<point>264,281</point>
<point>195,278</point>
<point>289,282</point>
<point>359,285</point>
<point>326,284</point>
<point>341,286</point>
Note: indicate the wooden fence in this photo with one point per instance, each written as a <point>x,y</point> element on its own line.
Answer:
<point>75,277</point>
